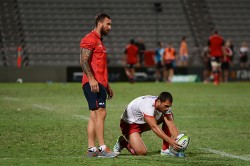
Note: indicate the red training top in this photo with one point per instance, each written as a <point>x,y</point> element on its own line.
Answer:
<point>98,61</point>
<point>215,44</point>
<point>229,54</point>
<point>131,51</point>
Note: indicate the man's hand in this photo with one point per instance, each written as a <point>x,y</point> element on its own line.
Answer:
<point>109,92</point>
<point>174,144</point>
<point>94,85</point>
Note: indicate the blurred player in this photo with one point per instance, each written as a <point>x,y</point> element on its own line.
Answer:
<point>143,114</point>
<point>207,64</point>
<point>226,61</point>
<point>159,51</point>
<point>183,52</point>
<point>244,55</point>
<point>215,44</point>
<point>132,59</point>
<point>95,84</point>
<point>169,60</point>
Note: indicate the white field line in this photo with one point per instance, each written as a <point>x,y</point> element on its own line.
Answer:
<point>226,154</point>
<point>10,98</point>
<point>81,117</point>
<point>42,107</point>
<point>34,105</point>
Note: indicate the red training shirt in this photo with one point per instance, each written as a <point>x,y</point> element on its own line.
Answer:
<point>131,51</point>
<point>215,44</point>
<point>98,61</point>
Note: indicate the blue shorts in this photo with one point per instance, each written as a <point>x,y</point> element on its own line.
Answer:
<point>95,100</point>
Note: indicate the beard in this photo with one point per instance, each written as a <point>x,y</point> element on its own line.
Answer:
<point>104,32</point>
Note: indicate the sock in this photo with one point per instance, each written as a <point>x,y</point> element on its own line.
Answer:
<point>165,144</point>
<point>92,149</point>
<point>102,148</point>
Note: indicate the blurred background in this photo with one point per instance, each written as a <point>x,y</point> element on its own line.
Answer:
<point>46,34</point>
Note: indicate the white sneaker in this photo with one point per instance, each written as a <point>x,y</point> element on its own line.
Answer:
<point>166,152</point>
<point>169,153</point>
<point>117,147</point>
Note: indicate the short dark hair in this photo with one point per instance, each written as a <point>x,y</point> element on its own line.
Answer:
<point>164,96</point>
<point>100,17</point>
<point>132,41</point>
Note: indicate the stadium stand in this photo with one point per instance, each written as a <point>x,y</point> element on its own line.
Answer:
<point>50,30</point>
<point>231,18</point>
<point>11,32</point>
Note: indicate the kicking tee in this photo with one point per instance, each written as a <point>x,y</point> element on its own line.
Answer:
<point>141,107</point>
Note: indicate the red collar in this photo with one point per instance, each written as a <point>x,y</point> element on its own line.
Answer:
<point>96,34</point>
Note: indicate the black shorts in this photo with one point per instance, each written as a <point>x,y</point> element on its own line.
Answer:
<point>243,59</point>
<point>225,65</point>
<point>95,100</point>
<point>216,59</point>
<point>169,66</point>
<point>130,66</point>
<point>158,65</point>
<point>208,66</point>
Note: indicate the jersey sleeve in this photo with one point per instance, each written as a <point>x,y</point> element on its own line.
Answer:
<point>88,42</point>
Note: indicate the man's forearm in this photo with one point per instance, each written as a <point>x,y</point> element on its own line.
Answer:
<point>85,55</point>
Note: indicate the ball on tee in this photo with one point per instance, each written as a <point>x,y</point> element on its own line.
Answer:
<point>183,140</point>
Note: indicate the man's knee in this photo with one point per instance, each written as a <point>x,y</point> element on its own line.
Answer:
<point>142,152</point>
<point>101,113</point>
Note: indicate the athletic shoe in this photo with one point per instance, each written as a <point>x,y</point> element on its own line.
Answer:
<point>118,147</point>
<point>91,154</point>
<point>107,153</point>
<point>168,153</point>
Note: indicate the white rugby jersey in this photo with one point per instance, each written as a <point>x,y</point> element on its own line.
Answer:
<point>139,107</point>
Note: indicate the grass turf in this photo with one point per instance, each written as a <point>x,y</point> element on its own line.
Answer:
<point>45,124</point>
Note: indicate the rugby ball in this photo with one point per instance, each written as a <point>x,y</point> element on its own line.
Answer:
<point>183,140</point>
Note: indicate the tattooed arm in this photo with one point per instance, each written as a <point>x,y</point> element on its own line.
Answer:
<point>85,55</point>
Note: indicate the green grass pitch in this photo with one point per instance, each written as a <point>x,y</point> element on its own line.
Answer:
<point>45,124</point>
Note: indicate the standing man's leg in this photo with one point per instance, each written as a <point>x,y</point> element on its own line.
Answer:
<point>165,73</point>
<point>99,125</point>
<point>91,130</point>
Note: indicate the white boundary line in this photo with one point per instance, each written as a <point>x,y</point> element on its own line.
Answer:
<point>11,98</point>
<point>42,107</point>
<point>225,154</point>
<point>81,117</point>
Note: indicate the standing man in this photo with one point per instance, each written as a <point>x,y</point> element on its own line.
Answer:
<point>226,61</point>
<point>215,44</point>
<point>169,60</point>
<point>183,52</point>
<point>159,51</point>
<point>146,113</point>
<point>142,48</point>
<point>93,60</point>
<point>131,55</point>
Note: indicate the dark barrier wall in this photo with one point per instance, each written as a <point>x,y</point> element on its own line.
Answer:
<point>74,74</point>
<point>33,74</point>
<point>118,74</point>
